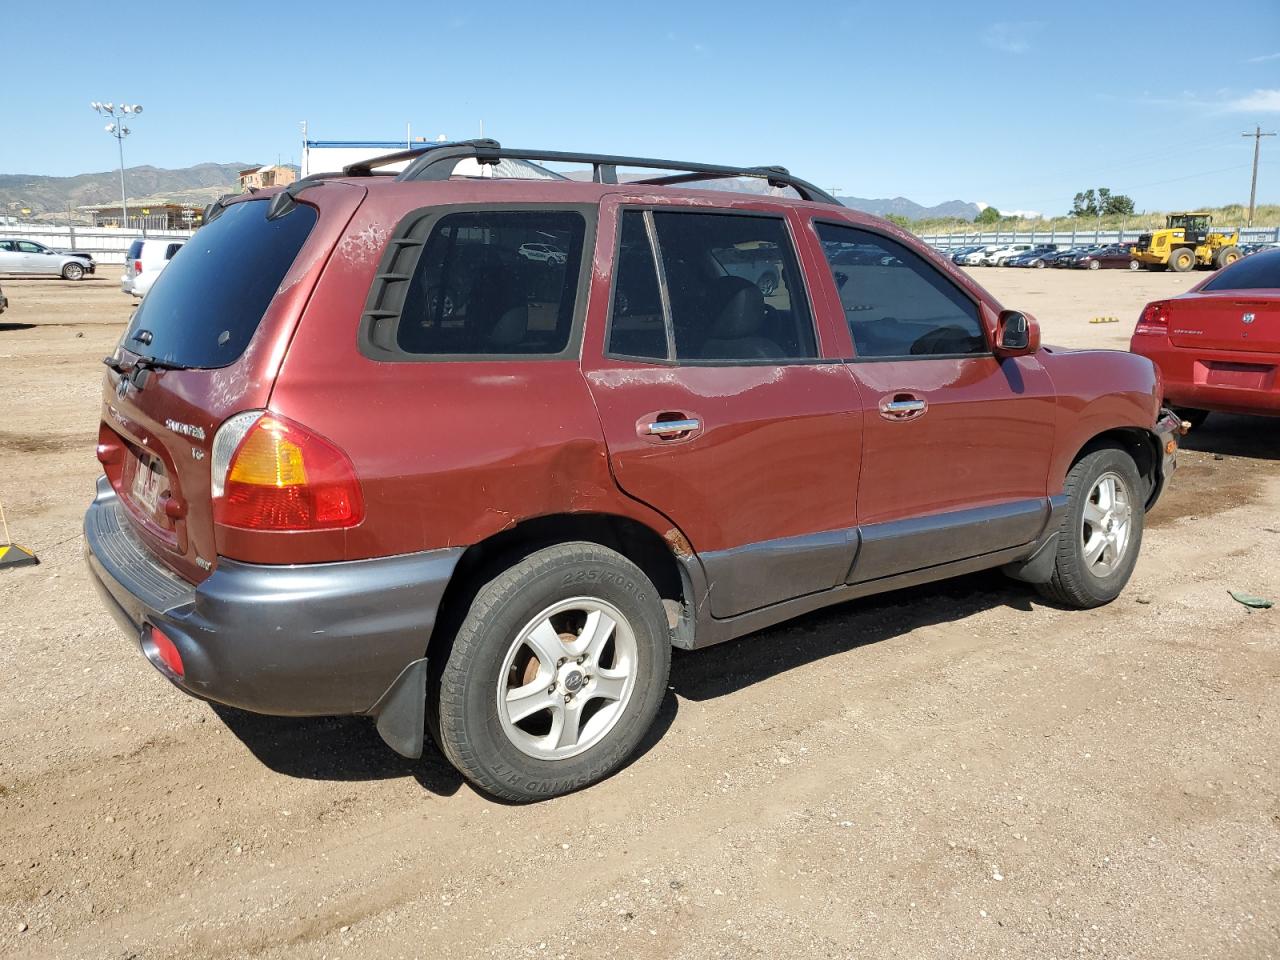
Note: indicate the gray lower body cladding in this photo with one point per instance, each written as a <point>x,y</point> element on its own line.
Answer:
<point>306,640</point>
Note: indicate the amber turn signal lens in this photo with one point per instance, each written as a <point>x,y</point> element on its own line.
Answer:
<point>1171,446</point>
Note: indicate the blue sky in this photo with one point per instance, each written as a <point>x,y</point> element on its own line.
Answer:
<point>1016,104</point>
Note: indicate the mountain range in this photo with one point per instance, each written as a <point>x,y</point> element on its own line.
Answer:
<point>49,197</point>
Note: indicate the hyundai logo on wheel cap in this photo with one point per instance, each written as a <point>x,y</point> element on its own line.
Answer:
<point>1247,318</point>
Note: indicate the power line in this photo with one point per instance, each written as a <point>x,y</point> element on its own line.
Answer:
<point>1257,146</point>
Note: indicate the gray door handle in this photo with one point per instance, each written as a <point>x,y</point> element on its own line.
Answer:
<point>665,428</point>
<point>903,406</point>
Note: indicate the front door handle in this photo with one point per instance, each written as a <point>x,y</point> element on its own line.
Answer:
<point>668,428</point>
<point>902,406</point>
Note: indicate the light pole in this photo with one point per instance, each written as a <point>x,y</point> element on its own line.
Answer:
<point>118,113</point>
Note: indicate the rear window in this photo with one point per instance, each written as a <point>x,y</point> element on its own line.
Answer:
<point>1259,272</point>
<point>494,283</point>
<point>205,307</point>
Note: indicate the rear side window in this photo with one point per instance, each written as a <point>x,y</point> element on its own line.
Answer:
<point>494,282</point>
<point>171,249</point>
<point>637,327</point>
<point>1259,272</point>
<point>135,249</point>
<point>896,303</point>
<point>205,308</point>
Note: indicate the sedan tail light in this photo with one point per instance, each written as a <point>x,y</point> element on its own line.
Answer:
<point>270,473</point>
<point>1154,318</point>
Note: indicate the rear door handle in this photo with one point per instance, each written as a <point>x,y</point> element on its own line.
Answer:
<point>902,406</point>
<point>667,428</point>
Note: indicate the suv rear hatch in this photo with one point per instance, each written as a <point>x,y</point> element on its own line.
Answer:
<point>206,343</point>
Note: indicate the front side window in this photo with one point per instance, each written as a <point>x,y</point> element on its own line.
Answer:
<point>495,282</point>
<point>26,246</point>
<point>734,288</point>
<point>897,304</point>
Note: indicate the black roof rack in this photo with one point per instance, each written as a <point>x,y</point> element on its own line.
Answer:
<point>435,161</point>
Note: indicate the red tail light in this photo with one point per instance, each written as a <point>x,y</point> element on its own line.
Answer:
<point>1154,319</point>
<point>137,267</point>
<point>270,473</point>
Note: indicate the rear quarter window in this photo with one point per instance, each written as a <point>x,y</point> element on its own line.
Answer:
<point>489,283</point>
<point>205,307</point>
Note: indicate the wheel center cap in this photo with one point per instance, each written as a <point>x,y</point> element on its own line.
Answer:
<point>572,681</point>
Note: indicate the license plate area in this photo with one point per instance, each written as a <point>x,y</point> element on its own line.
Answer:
<point>146,483</point>
<point>1245,376</point>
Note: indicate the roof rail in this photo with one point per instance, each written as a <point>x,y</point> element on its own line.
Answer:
<point>436,161</point>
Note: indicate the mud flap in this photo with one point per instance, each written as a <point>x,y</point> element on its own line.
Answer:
<point>402,711</point>
<point>1037,568</point>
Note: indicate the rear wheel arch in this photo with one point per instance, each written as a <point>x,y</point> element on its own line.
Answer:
<point>632,539</point>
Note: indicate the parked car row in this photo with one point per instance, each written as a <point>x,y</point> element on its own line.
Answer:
<point>1116,256</point>
<point>32,259</point>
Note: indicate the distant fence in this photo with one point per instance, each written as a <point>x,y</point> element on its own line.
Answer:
<point>1070,238</point>
<point>106,244</point>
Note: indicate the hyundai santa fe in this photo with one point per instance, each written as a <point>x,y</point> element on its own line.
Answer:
<point>403,470</point>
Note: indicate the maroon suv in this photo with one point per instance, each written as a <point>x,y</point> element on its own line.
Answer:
<point>370,448</point>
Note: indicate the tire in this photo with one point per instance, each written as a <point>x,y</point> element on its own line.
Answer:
<point>514,637</point>
<point>1081,581</point>
<point>1193,416</point>
<point>1040,264</point>
<point>1182,260</point>
<point>1134,266</point>
<point>1094,265</point>
<point>1226,257</point>
<point>73,272</point>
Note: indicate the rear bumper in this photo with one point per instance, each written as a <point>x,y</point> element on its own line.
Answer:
<point>306,640</point>
<point>1186,372</point>
<point>1168,429</point>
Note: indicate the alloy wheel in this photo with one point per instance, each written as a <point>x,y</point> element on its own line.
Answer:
<point>1107,523</point>
<point>567,678</point>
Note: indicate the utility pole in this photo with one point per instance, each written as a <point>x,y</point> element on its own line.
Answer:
<point>1253,187</point>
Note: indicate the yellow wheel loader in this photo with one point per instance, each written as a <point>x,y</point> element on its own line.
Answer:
<point>1187,241</point>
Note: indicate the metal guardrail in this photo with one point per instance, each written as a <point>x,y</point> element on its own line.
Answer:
<point>106,244</point>
<point>1070,238</point>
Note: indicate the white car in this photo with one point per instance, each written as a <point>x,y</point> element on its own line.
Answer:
<point>997,257</point>
<point>546,252</point>
<point>35,259</point>
<point>145,260</point>
<point>974,258</point>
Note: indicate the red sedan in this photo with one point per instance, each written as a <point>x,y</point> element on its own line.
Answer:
<point>1218,345</point>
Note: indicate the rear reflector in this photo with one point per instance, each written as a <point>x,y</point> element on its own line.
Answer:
<point>160,650</point>
<point>270,473</point>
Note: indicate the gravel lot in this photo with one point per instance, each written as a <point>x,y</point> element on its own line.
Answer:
<point>951,771</point>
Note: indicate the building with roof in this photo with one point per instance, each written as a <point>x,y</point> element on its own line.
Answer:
<point>268,175</point>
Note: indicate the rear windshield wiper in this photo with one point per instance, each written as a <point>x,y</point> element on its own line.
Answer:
<point>142,363</point>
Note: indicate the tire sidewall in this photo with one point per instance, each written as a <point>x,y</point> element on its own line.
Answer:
<point>73,272</point>
<point>508,607</point>
<point>1108,460</point>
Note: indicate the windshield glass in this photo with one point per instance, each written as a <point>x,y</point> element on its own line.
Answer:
<point>206,305</point>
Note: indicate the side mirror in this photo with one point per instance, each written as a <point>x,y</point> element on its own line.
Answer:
<point>1017,334</point>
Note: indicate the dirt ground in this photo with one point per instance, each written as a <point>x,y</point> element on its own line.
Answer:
<point>955,771</point>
